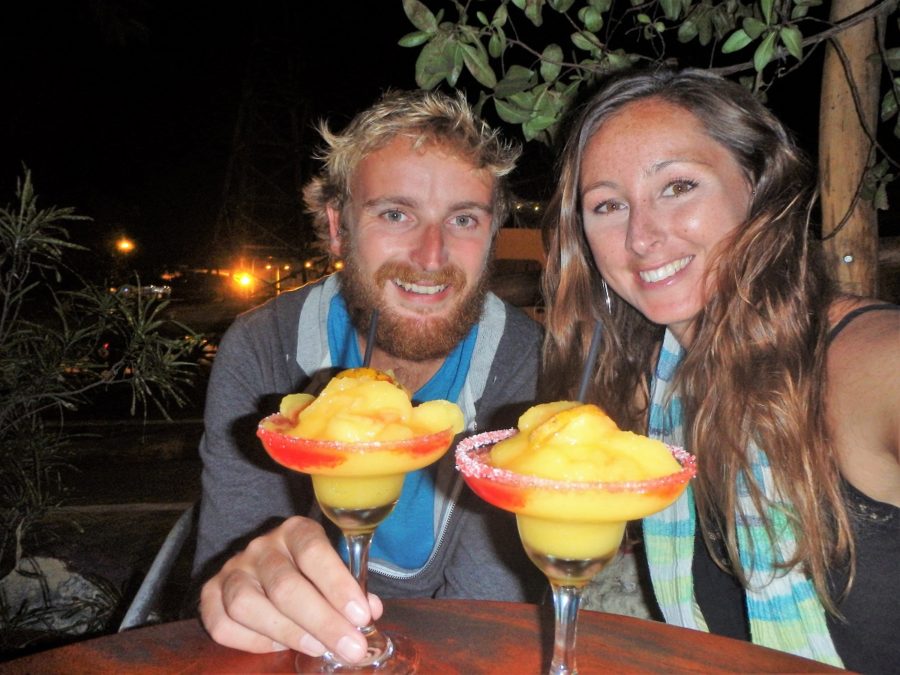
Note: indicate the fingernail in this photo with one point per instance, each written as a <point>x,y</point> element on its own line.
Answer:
<point>350,649</point>
<point>309,645</point>
<point>278,647</point>
<point>356,614</point>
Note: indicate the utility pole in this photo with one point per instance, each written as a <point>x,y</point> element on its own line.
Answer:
<point>262,205</point>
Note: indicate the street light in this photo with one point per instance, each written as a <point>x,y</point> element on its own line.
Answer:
<point>124,245</point>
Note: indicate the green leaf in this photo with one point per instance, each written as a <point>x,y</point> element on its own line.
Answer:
<point>880,200</point>
<point>482,18</point>
<point>510,112</point>
<point>562,6</point>
<point>500,17</point>
<point>497,44</point>
<point>736,41</point>
<point>517,79</point>
<point>478,108</point>
<point>432,65</point>
<point>551,62</point>
<point>533,11</point>
<point>454,53</point>
<point>792,39</point>
<point>591,18</point>
<point>420,16</point>
<point>687,31</point>
<point>723,22</point>
<point>525,99</point>
<point>617,60</point>
<point>476,61</point>
<point>765,52</point>
<point>643,18</point>
<point>705,29</point>
<point>889,105</point>
<point>414,39</point>
<point>892,57</point>
<point>533,127</point>
<point>672,8</point>
<point>753,27</point>
<point>586,41</point>
<point>466,34</point>
<point>601,6</point>
<point>766,6</point>
<point>748,82</point>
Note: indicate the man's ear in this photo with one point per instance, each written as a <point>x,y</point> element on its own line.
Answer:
<point>334,230</point>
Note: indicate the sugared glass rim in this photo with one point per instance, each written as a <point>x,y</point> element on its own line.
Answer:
<point>359,447</point>
<point>470,453</point>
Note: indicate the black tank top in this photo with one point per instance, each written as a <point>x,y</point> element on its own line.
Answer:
<point>866,638</point>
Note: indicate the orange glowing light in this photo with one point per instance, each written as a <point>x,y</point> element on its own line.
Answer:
<point>243,279</point>
<point>338,265</point>
<point>124,245</point>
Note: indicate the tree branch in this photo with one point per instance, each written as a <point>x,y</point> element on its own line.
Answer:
<point>872,11</point>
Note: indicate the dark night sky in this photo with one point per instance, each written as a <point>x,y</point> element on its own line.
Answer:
<point>138,135</point>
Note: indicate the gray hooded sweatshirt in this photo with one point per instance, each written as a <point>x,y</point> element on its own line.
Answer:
<point>281,347</point>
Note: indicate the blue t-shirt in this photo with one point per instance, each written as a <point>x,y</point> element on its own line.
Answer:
<point>406,537</point>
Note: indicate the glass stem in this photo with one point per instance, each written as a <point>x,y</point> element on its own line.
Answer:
<point>565,607</point>
<point>358,553</point>
<point>380,648</point>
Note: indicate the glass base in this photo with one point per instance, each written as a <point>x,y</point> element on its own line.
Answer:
<point>403,660</point>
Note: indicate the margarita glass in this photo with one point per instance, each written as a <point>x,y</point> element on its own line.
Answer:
<point>357,485</point>
<point>570,530</point>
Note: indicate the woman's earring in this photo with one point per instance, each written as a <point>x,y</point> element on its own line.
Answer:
<point>606,294</point>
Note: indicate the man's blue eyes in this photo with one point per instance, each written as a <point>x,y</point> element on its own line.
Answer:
<point>458,221</point>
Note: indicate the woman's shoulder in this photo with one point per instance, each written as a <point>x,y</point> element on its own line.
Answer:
<point>864,343</point>
<point>863,399</point>
<point>856,321</point>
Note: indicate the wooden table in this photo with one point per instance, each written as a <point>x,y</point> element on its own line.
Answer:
<point>452,636</point>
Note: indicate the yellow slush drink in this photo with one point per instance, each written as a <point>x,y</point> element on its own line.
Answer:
<point>574,479</point>
<point>359,438</point>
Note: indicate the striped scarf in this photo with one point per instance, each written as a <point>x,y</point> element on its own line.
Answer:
<point>783,608</point>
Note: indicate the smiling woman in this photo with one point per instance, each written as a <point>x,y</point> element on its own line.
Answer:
<point>688,202</point>
<point>656,214</point>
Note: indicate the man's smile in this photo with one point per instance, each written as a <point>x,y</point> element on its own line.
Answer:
<point>420,288</point>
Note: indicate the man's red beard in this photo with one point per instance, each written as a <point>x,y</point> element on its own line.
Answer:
<point>412,338</point>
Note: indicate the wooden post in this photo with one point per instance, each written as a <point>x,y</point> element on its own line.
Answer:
<point>845,150</point>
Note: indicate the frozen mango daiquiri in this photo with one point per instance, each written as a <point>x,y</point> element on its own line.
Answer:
<point>573,479</point>
<point>358,439</point>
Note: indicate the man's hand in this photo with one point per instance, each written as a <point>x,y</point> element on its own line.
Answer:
<point>288,589</point>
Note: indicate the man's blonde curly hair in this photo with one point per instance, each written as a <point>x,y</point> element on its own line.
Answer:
<point>425,117</point>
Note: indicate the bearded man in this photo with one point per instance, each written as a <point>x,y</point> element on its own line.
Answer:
<point>411,196</point>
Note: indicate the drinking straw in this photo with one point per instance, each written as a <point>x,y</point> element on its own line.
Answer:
<point>589,362</point>
<point>370,338</point>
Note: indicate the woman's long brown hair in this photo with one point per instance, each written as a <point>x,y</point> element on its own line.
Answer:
<point>755,370</point>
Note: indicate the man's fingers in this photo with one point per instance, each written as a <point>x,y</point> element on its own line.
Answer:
<point>319,562</point>
<point>291,588</point>
<point>245,632</point>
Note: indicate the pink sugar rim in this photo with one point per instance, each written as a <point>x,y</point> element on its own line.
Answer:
<point>471,451</point>
<point>359,447</point>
